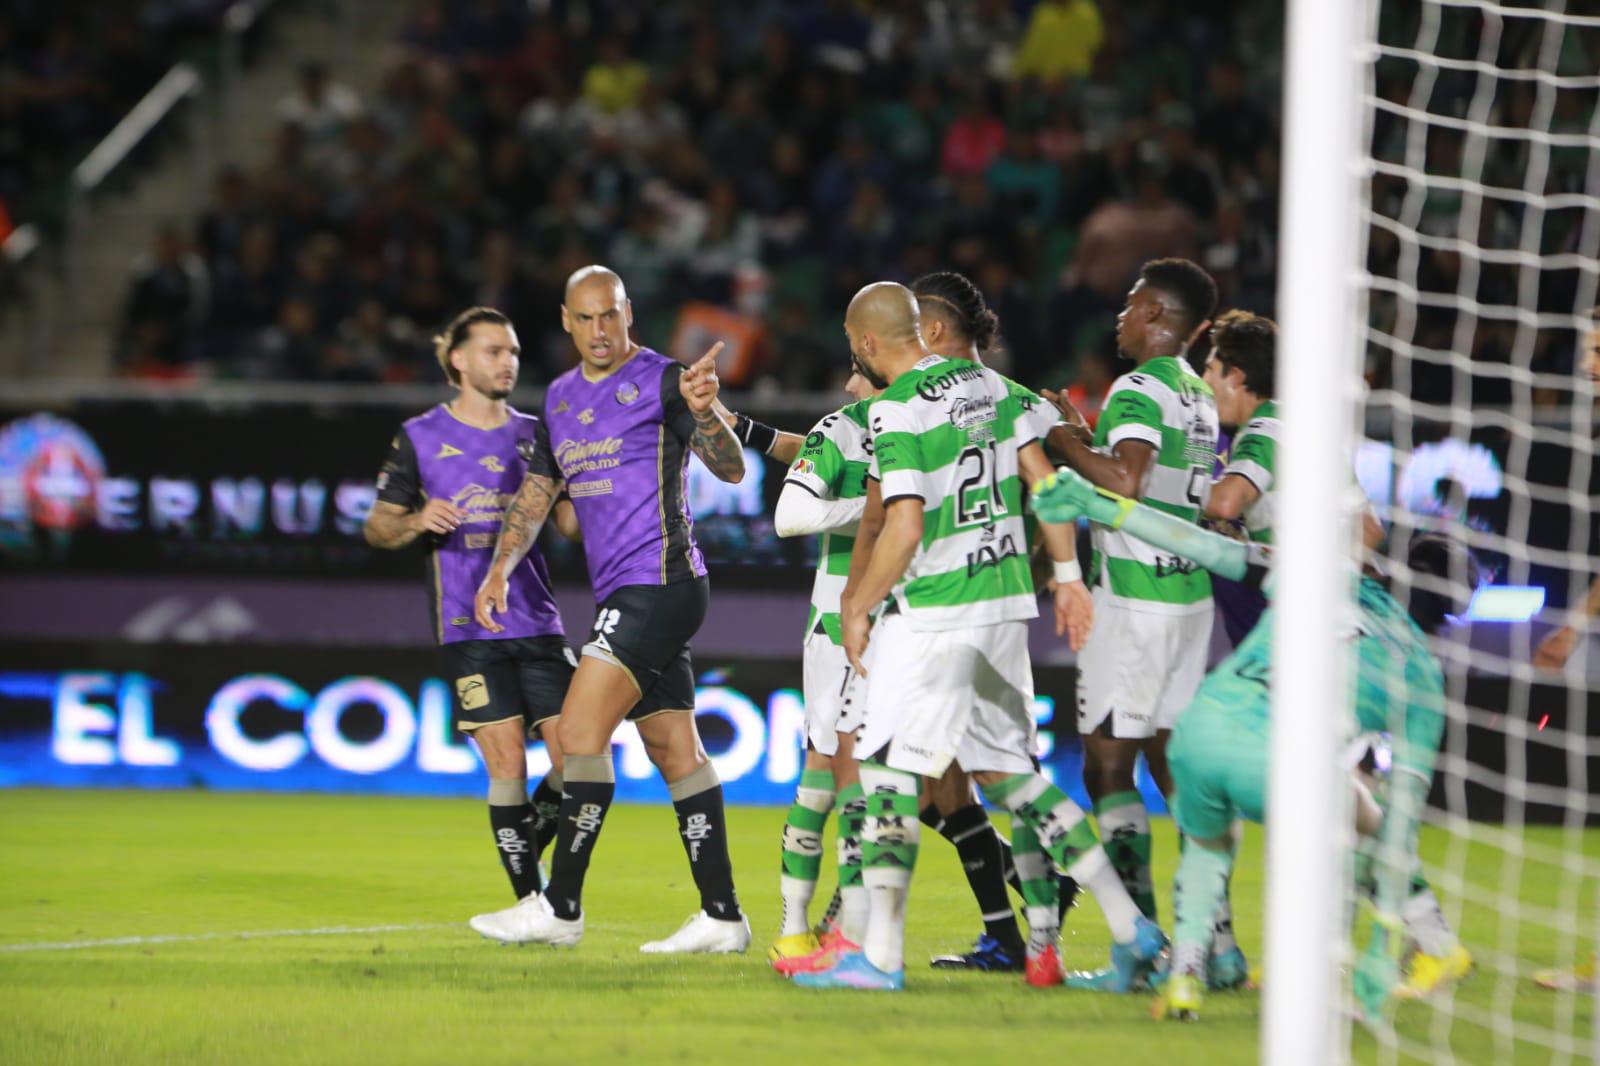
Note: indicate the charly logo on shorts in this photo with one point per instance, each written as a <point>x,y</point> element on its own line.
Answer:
<point>473,692</point>
<point>627,392</point>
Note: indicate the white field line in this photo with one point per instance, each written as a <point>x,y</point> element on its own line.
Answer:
<point>184,938</point>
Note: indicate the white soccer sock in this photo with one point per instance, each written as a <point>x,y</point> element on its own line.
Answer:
<point>853,913</point>
<point>1426,924</point>
<point>888,885</point>
<point>1093,871</point>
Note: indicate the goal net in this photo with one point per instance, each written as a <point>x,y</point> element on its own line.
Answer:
<point>1472,282</point>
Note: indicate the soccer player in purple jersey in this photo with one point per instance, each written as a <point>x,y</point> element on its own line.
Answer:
<point>447,479</point>
<point>618,429</point>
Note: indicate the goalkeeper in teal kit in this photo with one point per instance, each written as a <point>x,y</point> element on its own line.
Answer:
<point>1218,752</point>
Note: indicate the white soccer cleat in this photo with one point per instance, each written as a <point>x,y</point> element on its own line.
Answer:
<point>529,921</point>
<point>704,935</point>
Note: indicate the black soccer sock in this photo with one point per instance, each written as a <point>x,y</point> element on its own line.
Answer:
<point>703,824</point>
<point>976,841</point>
<point>546,803</point>
<point>509,814</point>
<point>930,817</point>
<point>586,796</point>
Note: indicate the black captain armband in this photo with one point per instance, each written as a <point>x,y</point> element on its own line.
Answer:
<point>757,435</point>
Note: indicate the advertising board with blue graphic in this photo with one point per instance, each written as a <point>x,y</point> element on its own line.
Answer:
<point>271,718</point>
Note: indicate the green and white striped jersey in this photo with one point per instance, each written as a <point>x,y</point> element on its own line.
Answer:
<point>949,432</point>
<point>1254,456</point>
<point>832,465</point>
<point>1165,404</point>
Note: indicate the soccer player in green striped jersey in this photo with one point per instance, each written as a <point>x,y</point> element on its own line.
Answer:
<point>950,675</point>
<point>1240,372</point>
<point>957,323</point>
<point>825,493</point>
<point>1156,442</point>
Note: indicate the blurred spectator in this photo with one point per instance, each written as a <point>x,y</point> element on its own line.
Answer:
<point>321,108</point>
<point>167,302</point>
<point>616,80</point>
<point>973,141</point>
<point>761,164</point>
<point>1060,41</point>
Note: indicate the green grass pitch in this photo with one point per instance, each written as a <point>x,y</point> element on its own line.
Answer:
<point>90,866</point>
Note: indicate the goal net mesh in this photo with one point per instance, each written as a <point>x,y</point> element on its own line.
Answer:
<point>1481,185</point>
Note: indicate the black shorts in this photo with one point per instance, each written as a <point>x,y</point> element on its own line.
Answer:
<point>498,680</point>
<point>646,629</point>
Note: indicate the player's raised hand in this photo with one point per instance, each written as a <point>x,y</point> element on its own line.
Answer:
<point>699,383</point>
<point>1074,613</point>
<point>438,516</point>
<point>491,599</point>
<point>1068,410</point>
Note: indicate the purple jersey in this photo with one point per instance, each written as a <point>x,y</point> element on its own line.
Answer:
<point>622,446</point>
<point>478,470</point>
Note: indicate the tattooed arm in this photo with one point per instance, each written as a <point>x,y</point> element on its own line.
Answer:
<point>525,516</point>
<point>710,437</point>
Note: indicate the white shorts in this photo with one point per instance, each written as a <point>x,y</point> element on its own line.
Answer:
<point>828,680</point>
<point>1139,669</point>
<point>961,695</point>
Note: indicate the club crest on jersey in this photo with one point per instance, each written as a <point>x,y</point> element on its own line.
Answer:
<point>627,392</point>
<point>492,464</point>
<point>446,451</point>
<point>586,416</point>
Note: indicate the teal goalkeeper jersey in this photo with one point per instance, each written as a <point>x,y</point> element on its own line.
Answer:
<point>949,433</point>
<point>832,465</point>
<point>1165,404</point>
<point>1399,688</point>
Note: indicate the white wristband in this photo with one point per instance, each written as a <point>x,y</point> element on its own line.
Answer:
<point>1067,572</point>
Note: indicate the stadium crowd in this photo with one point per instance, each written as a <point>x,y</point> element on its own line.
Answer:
<point>69,70</point>
<point>745,173</point>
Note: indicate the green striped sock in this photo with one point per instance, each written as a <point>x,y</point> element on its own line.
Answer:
<point>1039,894</point>
<point>1125,827</point>
<point>851,808</point>
<point>802,848</point>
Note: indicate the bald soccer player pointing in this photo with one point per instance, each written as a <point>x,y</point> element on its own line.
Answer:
<point>618,429</point>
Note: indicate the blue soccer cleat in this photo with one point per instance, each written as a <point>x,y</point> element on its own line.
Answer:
<point>1131,963</point>
<point>853,971</point>
<point>988,955</point>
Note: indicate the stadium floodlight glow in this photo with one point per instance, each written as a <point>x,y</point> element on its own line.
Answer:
<point>385,750</point>
<point>1504,603</point>
<point>232,742</point>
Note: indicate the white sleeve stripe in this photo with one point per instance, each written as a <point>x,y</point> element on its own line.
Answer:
<point>1133,431</point>
<point>1251,471</point>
